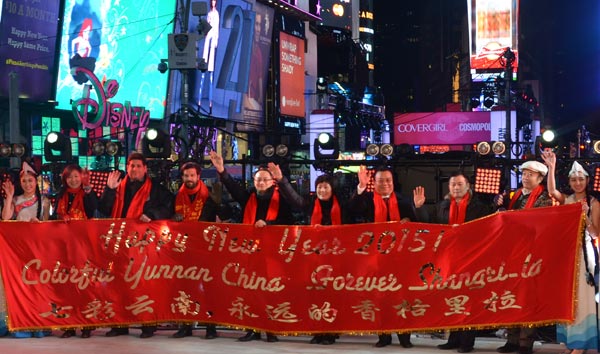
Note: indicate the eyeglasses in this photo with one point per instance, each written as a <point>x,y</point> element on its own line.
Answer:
<point>384,180</point>
<point>265,180</point>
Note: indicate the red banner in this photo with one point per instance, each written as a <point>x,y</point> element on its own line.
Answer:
<point>496,271</point>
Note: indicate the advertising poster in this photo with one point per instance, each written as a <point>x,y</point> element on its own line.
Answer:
<point>120,41</point>
<point>493,28</point>
<point>230,80</point>
<point>27,47</point>
<point>333,13</point>
<point>292,75</point>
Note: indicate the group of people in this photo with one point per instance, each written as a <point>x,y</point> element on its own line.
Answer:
<point>272,200</point>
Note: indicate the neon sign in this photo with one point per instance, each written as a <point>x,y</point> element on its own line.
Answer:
<point>92,114</point>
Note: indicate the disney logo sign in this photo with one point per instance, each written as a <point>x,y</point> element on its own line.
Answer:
<point>92,113</point>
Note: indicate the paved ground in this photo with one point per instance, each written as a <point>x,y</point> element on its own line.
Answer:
<point>162,343</point>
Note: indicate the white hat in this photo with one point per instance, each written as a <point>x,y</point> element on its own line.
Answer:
<point>577,169</point>
<point>535,166</point>
<point>27,168</point>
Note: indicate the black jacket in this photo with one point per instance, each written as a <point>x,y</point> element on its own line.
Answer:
<point>475,210</point>
<point>159,205</point>
<point>362,208</point>
<point>307,204</point>
<point>241,195</point>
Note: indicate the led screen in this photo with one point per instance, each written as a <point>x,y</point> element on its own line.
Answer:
<point>27,47</point>
<point>334,13</point>
<point>291,73</point>
<point>116,40</point>
<point>235,52</point>
<point>493,27</point>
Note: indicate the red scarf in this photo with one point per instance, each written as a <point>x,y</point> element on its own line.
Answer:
<point>533,196</point>
<point>251,205</point>
<point>77,211</point>
<point>458,211</point>
<point>381,209</point>
<point>184,206</point>
<point>317,214</point>
<point>136,208</point>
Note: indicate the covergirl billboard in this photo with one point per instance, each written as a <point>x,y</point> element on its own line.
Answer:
<point>450,128</point>
<point>493,27</point>
<point>292,75</point>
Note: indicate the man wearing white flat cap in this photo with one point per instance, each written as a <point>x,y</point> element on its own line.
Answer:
<point>531,195</point>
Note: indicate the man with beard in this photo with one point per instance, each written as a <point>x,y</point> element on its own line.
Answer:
<point>194,202</point>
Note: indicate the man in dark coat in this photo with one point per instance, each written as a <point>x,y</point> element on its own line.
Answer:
<point>135,196</point>
<point>195,202</point>
<point>459,206</point>
<point>381,205</point>
<point>261,205</point>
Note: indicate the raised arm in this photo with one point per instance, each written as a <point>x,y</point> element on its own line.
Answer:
<point>550,159</point>
<point>285,188</point>
<point>9,205</point>
<point>235,189</point>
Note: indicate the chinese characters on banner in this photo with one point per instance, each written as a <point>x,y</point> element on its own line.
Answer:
<point>500,270</point>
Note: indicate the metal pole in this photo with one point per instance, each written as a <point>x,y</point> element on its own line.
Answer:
<point>509,57</point>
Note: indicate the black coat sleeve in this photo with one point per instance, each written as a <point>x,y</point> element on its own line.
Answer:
<point>297,202</point>
<point>237,191</point>
<point>160,204</point>
<point>107,200</point>
<point>211,210</point>
<point>360,208</point>
<point>90,204</point>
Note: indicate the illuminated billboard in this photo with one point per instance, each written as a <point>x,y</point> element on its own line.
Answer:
<point>333,13</point>
<point>116,40</point>
<point>493,27</point>
<point>28,47</point>
<point>450,128</point>
<point>366,31</point>
<point>236,52</point>
<point>291,97</point>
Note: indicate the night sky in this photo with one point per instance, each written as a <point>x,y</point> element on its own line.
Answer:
<point>559,45</point>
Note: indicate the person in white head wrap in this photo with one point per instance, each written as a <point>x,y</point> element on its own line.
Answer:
<point>583,333</point>
<point>28,206</point>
